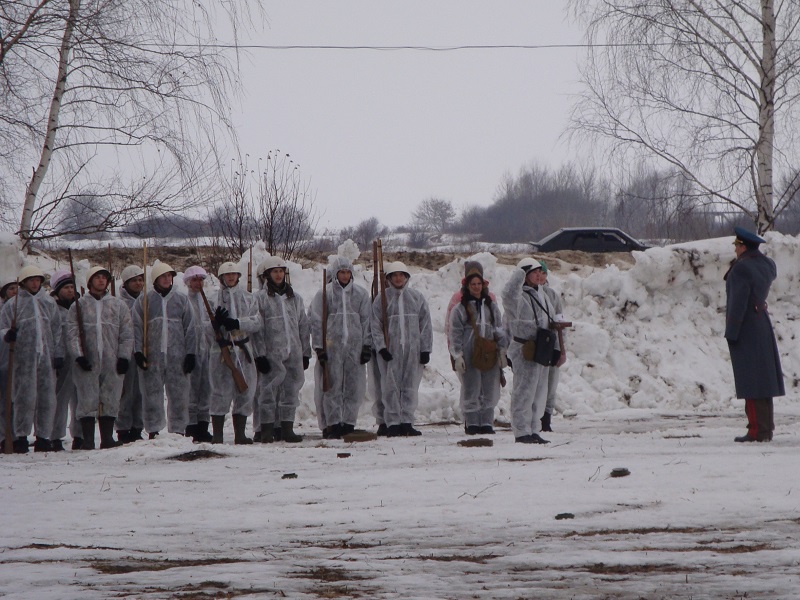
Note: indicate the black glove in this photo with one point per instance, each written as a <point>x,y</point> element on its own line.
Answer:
<point>306,362</point>
<point>141,360</point>
<point>189,363</point>
<point>231,324</point>
<point>385,354</point>
<point>366,355</point>
<point>220,315</point>
<point>58,362</point>
<point>84,363</point>
<point>122,366</point>
<point>424,358</point>
<point>510,365</point>
<point>262,364</point>
<point>322,355</point>
<point>11,335</point>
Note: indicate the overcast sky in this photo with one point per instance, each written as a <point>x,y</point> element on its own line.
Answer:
<point>378,131</point>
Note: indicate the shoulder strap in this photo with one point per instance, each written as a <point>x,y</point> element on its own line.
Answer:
<point>535,299</point>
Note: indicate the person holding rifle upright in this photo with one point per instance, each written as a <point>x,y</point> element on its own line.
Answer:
<point>553,371</point>
<point>172,352</point>
<point>283,342</point>
<point>129,418</point>
<point>32,321</point>
<point>62,289</point>
<point>100,337</point>
<point>402,334</point>
<point>340,336</point>
<point>237,318</point>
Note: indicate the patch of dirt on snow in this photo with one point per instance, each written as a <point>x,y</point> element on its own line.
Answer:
<point>604,569</point>
<point>117,567</point>
<point>196,455</point>
<point>706,547</point>
<point>642,531</point>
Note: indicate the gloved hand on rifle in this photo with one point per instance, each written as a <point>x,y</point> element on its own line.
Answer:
<point>84,363</point>
<point>11,335</point>
<point>189,363</point>
<point>306,362</point>
<point>262,364</point>
<point>141,360</point>
<point>424,358</point>
<point>231,324</point>
<point>366,355</point>
<point>385,354</point>
<point>220,316</point>
<point>322,355</point>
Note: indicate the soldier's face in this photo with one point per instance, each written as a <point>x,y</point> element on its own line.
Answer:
<point>277,275</point>
<point>230,279</point>
<point>195,284</point>
<point>344,276</point>
<point>67,292</point>
<point>135,285</point>
<point>32,285</point>
<point>398,279</point>
<point>534,277</point>
<point>12,290</point>
<point>98,283</point>
<point>164,281</point>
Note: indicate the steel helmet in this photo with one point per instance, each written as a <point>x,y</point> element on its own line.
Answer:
<point>528,263</point>
<point>130,272</point>
<point>271,262</point>
<point>229,267</point>
<point>29,271</point>
<point>159,269</point>
<point>95,270</point>
<point>396,267</point>
<point>194,271</point>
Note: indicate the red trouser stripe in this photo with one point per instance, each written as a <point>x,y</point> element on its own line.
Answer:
<point>752,420</point>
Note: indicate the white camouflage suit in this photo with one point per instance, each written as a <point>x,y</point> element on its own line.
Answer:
<point>171,335</point>
<point>39,342</point>
<point>349,312</point>
<point>480,390</point>
<point>130,408</point>
<point>410,333</point>
<point>109,335</point>
<point>284,340</point>
<point>200,390</point>
<point>553,373</point>
<point>242,306</point>
<point>66,394</point>
<point>523,317</point>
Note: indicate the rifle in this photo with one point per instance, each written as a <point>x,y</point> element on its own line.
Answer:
<point>8,444</point>
<point>78,310</point>
<point>144,303</point>
<point>560,326</point>
<point>225,352</point>
<point>111,273</point>
<point>250,271</point>
<point>384,310</point>
<point>375,275</point>
<point>326,379</point>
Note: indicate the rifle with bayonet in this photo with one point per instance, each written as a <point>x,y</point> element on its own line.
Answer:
<point>78,310</point>
<point>382,283</point>
<point>326,379</point>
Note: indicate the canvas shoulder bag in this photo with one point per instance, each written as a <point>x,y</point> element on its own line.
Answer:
<point>484,350</point>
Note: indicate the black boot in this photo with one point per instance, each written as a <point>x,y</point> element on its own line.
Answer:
<point>267,435</point>
<point>217,424</point>
<point>347,428</point>
<point>288,434</point>
<point>202,433</point>
<point>107,440</point>
<point>87,426</point>
<point>546,421</point>
<point>409,431</point>
<point>152,435</point>
<point>124,436</point>
<point>383,430</point>
<point>334,432</point>
<point>472,430</point>
<point>58,445</point>
<point>136,434</point>
<point>239,424</point>
<point>191,431</point>
<point>394,431</point>
<point>276,434</point>
<point>256,437</point>
<point>21,445</point>
<point>77,443</point>
<point>42,445</point>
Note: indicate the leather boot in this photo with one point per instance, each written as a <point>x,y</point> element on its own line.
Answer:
<point>58,445</point>
<point>124,435</point>
<point>267,435</point>
<point>42,445</point>
<point>136,434</point>
<point>256,436</point>
<point>191,431</point>
<point>107,440</point>
<point>21,445</point>
<point>77,443</point>
<point>87,426</point>
<point>202,433</point>
<point>546,421</point>
<point>288,434</point>
<point>217,424</point>
<point>239,424</point>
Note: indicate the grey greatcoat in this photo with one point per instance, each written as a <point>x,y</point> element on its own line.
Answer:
<point>754,351</point>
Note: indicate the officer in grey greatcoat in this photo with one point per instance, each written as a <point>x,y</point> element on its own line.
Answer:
<point>751,340</point>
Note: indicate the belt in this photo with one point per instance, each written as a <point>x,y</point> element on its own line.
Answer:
<point>241,344</point>
<point>520,340</point>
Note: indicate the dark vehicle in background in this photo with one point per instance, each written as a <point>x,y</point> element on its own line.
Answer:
<point>588,239</point>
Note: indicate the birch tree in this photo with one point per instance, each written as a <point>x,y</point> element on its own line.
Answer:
<point>124,99</point>
<point>709,87</point>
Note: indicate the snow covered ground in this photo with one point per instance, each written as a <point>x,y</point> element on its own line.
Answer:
<point>647,386</point>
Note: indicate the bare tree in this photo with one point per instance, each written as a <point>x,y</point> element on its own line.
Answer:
<point>702,85</point>
<point>363,233</point>
<point>138,88</point>
<point>233,221</point>
<point>434,214</point>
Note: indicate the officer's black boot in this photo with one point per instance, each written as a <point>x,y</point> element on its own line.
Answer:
<point>202,433</point>
<point>217,424</point>
<point>239,424</point>
<point>107,440</point>
<point>288,434</point>
<point>87,426</point>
